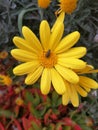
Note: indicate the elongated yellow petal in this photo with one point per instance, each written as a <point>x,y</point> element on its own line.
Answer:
<point>45,81</point>
<point>71,63</point>
<point>85,70</point>
<point>60,18</point>
<point>88,70</point>
<point>92,71</point>
<point>23,55</point>
<point>26,68</point>
<point>65,98</point>
<point>85,88</point>
<point>31,38</point>
<point>76,52</point>
<point>67,74</point>
<point>57,82</point>
<point>23,44</point>
<point>56,36</point>
<point>74,96</point>
<point>88,82</point>
<point>45,34</point>
<point>67,42</point>
<point>33,77</point>
<point>80,90</point>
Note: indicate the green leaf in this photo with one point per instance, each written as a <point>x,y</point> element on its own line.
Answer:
<point>6,113</point>
<point>21,15</point>
<point>34,99</point>
<point>36,126</point>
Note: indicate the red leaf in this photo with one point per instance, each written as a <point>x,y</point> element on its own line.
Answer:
<point>77,127</point>
<point>26,123</point>
<point>53,116</point>
<point>68,121</point>
<point>17,124</point>
<point>34,119</point>
<point>46,117</point>
<point>1,126</point>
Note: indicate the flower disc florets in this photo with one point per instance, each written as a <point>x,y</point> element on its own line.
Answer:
<point>47,59</point>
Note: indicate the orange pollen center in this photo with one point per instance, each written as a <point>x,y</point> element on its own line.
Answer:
<point>48,59</point>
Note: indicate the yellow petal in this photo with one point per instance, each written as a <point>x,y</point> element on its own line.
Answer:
<point>88,82</point>
<point>85,70</point>
<point>45,81</point>
<point>57,82</point>
<point>93,71</point>
<point>56,36</point>
<point>23,55</point>
<point>45,34</point>
<point>31,38</point>
<point>80,90</point>
<point>74,96</point>
<point>76,52</point>
<point>67,42</point>
<point>23,44</point>
<point>86,89</point>
<point>71,63</point>
<point>26,68</point>
<point>60,18</point>
<point>65,96</point>
<point>33,77</point>
<point>67,74</point>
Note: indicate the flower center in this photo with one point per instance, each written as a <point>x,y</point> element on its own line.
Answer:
<point>48,59</point>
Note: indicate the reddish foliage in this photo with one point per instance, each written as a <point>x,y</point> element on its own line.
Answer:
<point>1,127</point>
<point>77,127</point>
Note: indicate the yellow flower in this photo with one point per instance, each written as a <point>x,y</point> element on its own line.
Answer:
<point>5,80</point>
<point>43,3</point>
<point>83,87</point>
<point>51,58</point>
<point>68,6</point>
<point>3,54</point>
<point>19,101</point>
<point>18,89</point>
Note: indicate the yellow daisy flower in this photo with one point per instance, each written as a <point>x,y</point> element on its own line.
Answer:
<point>83,87</point>
<point>5,80</point>
<point>51,58</point>
<point>67,6</point>
<point>43,3</point>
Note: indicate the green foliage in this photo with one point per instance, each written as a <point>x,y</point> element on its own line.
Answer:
<point>6,113</point>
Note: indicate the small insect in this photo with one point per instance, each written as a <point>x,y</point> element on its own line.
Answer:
<point>48,53</point>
